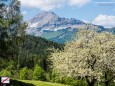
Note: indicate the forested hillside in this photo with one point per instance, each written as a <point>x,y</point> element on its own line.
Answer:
<point>35,51</point>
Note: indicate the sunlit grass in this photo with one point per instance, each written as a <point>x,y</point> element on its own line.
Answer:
<point>42,83</point>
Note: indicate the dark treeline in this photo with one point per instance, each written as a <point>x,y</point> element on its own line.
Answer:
<point>34,50</point>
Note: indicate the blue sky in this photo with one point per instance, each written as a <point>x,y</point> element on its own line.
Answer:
<point>100,12</point>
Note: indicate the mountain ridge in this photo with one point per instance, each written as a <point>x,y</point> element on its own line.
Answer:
<point>58,29</point>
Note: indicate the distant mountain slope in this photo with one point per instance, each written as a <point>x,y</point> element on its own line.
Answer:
<point>36,48</point>
<point>52,27</point>
<point>111,30</point>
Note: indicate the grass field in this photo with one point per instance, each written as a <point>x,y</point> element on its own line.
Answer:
<point>41,83</point>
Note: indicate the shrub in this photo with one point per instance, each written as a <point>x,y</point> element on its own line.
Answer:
<point>23,73</point>
<point>67,80</point>
<point>48,77</point>
<point>73,82</point>
<point>39,73</point>
<point>79,83</point>
<point>29,74</point>
<point>5,73</point>
<point>16,74</point>
<point>55,77</point>
<point>10,65</point>
<point>112,83</point>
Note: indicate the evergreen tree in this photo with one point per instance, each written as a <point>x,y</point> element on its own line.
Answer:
<point>11,28</point>
<point>38,73</point>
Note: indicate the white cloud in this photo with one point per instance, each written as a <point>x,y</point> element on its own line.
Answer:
<point>24,12</point>
<point>78,3</point>
<point>45,5</point>
<point>105,20</point>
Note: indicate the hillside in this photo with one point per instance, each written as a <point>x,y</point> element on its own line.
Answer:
<point>34,83</point>
<point>41,83</point>
<point>36,48</point>
<point>33,50</point>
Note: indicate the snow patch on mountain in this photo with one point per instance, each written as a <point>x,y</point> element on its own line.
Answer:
<point>33,25</point>
<point>59,29</point>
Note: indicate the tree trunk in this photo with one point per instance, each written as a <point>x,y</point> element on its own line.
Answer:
<point>106,83</point>
<point>108,80</point>
<point>91,83</point>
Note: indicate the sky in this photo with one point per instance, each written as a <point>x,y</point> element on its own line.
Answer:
<point>99,12</point>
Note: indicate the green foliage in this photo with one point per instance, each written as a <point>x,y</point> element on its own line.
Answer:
<point>20,83</point>
<point>48,76</point>
<point>38,73</point>
<point>11,26</point>
<point>35,51</point>
<point>112,83</point>
<point>73,82</point>
<point>23,73</point>
<point>78,83</point>
<point>68,80</point>
<point>10,65</point>
<point>55,77</point>
<point>40,83</point>
<point>29,74</point>
<point>5,73</point>
<point>16,74</point>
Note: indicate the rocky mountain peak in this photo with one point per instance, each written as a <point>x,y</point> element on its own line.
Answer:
<point>46,16</point>
<point>51,20</point>
<point>52,27</point>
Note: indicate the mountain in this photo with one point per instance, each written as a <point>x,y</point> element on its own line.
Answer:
<point>112,30</point>
<point>52,27</point>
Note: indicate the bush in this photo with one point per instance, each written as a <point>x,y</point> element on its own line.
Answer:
<point>5,73</point>
<point>112,84</point>
<point>67,80</point>
<point>55,77</point>
<point>10,65</point>
<point>16,74</point>
<point>48,77</point>
<point>39,73</point>
<point>79,83</point>
<point>29,74</point>
<point>73,82</point>
<point>23,73</point>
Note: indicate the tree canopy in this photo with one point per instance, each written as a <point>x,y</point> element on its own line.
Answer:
<point>11,28</point>
<point>91,57</point>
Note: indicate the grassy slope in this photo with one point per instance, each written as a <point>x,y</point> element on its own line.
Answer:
<point>41,83</point>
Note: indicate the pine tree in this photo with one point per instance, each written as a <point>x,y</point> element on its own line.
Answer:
<point>11,29</point>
